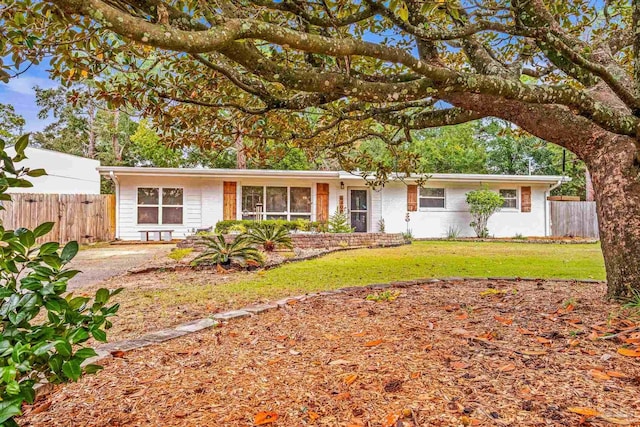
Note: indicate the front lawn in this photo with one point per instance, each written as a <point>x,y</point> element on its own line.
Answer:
<point>158,299</point>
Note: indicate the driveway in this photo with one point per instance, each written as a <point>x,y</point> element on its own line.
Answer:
<point>101,263</point>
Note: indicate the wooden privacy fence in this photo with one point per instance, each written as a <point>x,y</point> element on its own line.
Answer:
<point>86,218</point>
<point>576,219</point>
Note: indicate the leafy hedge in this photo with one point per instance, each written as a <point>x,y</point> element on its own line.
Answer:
<point>224,227</point>
<point>43,329</point>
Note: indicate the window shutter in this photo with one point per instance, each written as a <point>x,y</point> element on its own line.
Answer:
<point>525,199</point>
<point>322,202</point>
<point>229,201</point>
<point>412,198</point>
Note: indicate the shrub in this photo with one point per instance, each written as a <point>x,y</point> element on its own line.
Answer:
<point>408,236</point>
<point>382,296</point>
<point>453,232</point>
<point>219,252</point>
<point>224,227</point>
<point>483,203</point>
<point>237,229</point>
<point>339,223</point>
<point>302,224</point>
<point>33,280</point>
<point>381,226</point>
<point>269,236</point>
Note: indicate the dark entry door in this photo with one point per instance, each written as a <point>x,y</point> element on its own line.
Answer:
<point>358,207</point>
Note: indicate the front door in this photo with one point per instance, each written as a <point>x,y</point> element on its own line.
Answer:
<point>358,204</point>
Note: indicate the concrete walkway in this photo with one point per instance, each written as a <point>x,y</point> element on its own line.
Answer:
<point>101,263</point>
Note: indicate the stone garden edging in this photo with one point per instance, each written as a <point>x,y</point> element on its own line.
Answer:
<point>106,351</point>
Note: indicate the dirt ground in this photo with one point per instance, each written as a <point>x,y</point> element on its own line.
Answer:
<point>103,262</point>
<point>489,353</point>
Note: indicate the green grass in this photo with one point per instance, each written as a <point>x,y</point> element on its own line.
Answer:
<point>420,260</point>
<point>185,296</point>
<point>179,253</point>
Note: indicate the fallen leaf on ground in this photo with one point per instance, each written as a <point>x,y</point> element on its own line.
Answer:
<point>542,340</point>
<point>492,292</point>
<point>524,331</point>
<point>373,343</point>
<point>599,375</point>
<point>459,365</point>
<point>587,412</point>
<point>343,396</point>
<point>533,352</point>
<point>340,362</point>
<point>504,320</point>
<point>507,368</point>
<point>629,352</point>
<point>117,353</point>
<point>263,418</point>
<point>460,332</point>
<point>462,316</point>
<point>615,374</point>
<point>391,419</point>
<point>349,379</point>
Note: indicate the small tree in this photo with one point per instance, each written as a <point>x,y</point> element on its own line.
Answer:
<point>42,328</point>
<point>483,203</point>
<point>339,223</point>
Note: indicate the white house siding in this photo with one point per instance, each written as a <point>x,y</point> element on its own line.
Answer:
<point>192,213</point>
<point>435,222</point>
<point>203,204</point>
<point>66,173</point>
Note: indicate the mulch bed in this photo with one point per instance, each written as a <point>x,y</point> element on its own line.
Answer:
<point>491,353</point>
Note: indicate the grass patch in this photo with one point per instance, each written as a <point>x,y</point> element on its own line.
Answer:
<point>419,260</point>
<point>185,295</point>
<point>179,253</point>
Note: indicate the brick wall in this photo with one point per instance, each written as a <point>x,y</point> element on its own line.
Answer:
<point>326,240</point>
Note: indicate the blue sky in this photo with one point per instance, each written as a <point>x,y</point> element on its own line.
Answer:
<point>19,93</point>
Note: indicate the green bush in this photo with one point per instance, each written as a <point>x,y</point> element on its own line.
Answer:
<point>43,330</point>
<point>269,236</point>
<point>483,203</point>
<point>339,223</point>
<point>224,227</point>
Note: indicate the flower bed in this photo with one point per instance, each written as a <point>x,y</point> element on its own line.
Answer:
<point>323,240</point>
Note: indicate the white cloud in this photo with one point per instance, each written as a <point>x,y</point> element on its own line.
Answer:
<point>24,84</point>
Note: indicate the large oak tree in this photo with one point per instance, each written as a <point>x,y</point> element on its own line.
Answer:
<point>328,73</point>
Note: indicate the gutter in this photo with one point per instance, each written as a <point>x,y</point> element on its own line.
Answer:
<point>113,177</point>
<point>547,207</point>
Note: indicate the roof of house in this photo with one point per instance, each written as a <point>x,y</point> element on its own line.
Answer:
<point>341,175</point>
<point>55,152</point>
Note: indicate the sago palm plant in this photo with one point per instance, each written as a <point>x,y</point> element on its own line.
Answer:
<point>222,253</point>
<point>270,236</point>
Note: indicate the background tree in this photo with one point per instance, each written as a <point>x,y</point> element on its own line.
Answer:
<point>11,123</point>
<point>328,74</point>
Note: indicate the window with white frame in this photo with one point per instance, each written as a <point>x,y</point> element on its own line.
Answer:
<point>288,203</point>
<point>160,205</point>
<point>510,197</point>
<point>432,198</point>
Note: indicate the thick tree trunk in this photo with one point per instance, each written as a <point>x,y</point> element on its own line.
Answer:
<point>615,174</point>
<point>91,118</point>
<point>241,158</point>
<point>115,141</point>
